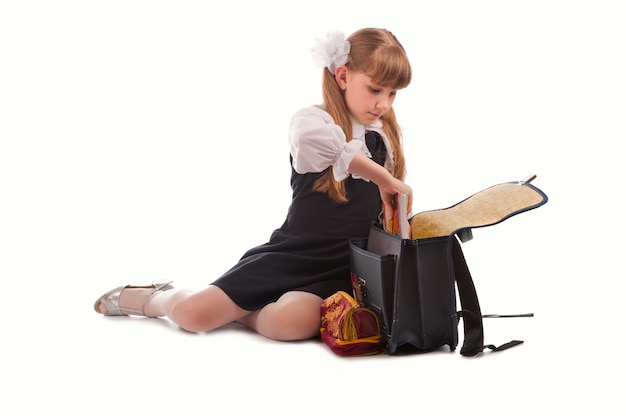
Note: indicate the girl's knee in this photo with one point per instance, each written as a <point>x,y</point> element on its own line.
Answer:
<point>206,310</point>
<point>188,316</point>
<point>295,319</point>
<point>291,327</point>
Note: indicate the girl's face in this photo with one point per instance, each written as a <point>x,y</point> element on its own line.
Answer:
<point>365,100</point>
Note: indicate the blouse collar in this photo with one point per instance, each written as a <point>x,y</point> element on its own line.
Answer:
<point>359,129</point>
<point>358,133</point>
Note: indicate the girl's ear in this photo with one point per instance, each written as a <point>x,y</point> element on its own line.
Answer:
<point>341,76</point>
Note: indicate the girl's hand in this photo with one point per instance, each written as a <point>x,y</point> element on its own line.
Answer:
<point>390,188</point>
<point>387,184</point>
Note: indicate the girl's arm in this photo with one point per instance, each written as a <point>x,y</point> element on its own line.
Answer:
<point>388,185</point>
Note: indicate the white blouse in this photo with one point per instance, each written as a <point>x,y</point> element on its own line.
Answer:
<point>317,142</point>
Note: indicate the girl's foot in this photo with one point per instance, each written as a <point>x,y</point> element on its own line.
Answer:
<point>129,300</point>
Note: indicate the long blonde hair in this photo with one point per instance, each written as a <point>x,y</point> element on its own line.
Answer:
<point>378,54</point>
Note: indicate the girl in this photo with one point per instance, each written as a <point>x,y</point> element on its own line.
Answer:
<point>347,161</point>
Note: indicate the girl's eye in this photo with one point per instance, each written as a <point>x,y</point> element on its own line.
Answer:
<point>374,90</point>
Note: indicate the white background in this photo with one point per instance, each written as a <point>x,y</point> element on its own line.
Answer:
<point>147,139</point>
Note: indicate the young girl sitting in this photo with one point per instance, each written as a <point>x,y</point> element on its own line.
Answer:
<point>347,160</point>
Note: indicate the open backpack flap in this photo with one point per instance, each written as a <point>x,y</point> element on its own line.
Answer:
<point>487,207</point>
<point>411,283</point>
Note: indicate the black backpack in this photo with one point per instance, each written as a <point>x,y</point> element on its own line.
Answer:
<point>411,283</point>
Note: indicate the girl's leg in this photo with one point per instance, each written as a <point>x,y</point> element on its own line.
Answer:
<point>294,316</point>
<point>200,311</point>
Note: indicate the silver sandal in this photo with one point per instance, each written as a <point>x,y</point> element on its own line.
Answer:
<point>111,299</point>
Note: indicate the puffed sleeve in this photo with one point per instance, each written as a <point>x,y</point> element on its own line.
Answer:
<point>317,143</point>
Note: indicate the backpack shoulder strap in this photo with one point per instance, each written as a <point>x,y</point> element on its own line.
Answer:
<point>473,341</point>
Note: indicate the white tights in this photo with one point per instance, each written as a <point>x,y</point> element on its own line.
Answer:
<point>295,316</point>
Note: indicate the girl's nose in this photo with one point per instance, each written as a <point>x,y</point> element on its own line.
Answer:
<point>384,103</point>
